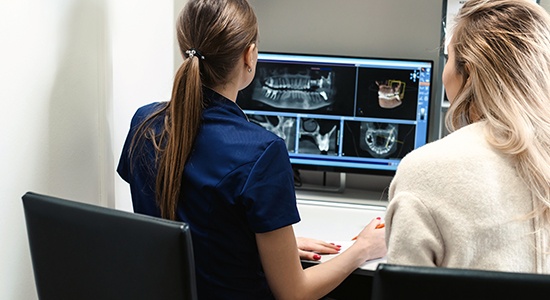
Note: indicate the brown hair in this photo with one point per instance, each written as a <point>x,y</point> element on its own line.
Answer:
<point>502,50</point>
<point>220,31</point>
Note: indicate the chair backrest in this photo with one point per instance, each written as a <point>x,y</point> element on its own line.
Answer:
<point>82,251</point>
<point>414,282</point>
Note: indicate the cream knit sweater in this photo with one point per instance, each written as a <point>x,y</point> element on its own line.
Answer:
<point>457,202</point>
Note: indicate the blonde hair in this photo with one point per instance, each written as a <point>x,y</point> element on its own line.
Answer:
<point>219,31</point>
<point>502,51</point>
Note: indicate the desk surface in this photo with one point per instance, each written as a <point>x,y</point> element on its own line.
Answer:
<point>333,221</point>
<point>336,218</point>
<point>355,196</point>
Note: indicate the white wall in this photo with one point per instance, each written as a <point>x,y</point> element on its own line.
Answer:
<point>54,97</point>
<point>143,68</point>
<point>72,73</point>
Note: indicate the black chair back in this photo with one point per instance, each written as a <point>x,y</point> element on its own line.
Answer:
<point>414,282</point>
<point>82,251</point>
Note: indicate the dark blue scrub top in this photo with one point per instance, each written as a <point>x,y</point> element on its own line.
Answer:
<point>238,181</point>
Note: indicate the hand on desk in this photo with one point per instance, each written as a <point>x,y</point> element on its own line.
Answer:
<point>373,238</point>
<point>310,249</point>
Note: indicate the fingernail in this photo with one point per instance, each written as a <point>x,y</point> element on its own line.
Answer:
<point>317,257</point>
<point>378,218</point>
<point>339,246</point>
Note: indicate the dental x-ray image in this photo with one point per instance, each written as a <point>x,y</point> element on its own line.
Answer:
<point>283,127</point>
<point>306,88</point>
<point>296,88</point>
<point>389,94</point>
<point>318,136</point>
<point>377,140</point>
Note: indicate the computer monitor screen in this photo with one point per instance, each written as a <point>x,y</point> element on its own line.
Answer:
<point>341,113</point>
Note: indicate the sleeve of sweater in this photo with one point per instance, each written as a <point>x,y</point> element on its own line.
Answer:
<point>412,235</point>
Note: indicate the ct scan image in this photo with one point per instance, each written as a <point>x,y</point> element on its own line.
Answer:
<point>318,136</point>
<point>377,139</point>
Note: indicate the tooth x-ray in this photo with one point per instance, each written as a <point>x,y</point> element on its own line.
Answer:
<point>299,87</point>
<point>283,127</point>
<point>318,136</point>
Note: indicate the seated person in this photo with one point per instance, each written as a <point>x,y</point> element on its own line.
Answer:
<point>479,198</point>
<point>197,159</point>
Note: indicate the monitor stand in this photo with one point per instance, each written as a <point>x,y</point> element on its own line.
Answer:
<point>324,188</point>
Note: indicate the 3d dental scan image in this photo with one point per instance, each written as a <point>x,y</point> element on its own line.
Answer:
<point>390,93</point>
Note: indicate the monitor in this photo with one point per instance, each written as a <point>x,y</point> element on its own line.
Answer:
<point>341,113</point>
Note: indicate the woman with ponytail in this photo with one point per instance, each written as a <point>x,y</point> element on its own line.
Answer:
<point>480,197</point>
<point>197,159</point>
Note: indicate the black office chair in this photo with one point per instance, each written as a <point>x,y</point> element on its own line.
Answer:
<point>81,251</point>
<point>414,282</point>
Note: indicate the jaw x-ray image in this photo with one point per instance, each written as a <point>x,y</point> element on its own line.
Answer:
<point>299,87</point>
<point>383,140</point>
<point>283,127</point>
<point>378,139</point>
<point>318,136</point>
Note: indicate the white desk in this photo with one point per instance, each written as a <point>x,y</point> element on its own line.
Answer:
<point>337,218</point>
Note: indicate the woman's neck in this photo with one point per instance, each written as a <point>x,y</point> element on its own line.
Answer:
<point>229,93</point>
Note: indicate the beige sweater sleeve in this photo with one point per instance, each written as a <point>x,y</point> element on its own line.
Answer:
<point>417,240</point>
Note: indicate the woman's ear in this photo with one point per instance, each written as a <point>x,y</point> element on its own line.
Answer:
<point>250,56</point>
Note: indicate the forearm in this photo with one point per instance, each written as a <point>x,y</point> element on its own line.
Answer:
<point>326,276</point>
<point>287,279</point>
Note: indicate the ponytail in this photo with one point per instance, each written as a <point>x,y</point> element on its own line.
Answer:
<point>221,30</point>
<point>182,123</point>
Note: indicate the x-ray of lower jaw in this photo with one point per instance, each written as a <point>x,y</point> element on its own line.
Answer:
<point>283,127</point>
<point>304,88</point>
<point>379,139</point>
<point>313,140</point>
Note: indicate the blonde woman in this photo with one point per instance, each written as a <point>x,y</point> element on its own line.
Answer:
<point>480,197</point>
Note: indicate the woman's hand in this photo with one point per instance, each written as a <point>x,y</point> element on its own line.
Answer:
<point>310,249</point>
<point>372,239</point>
